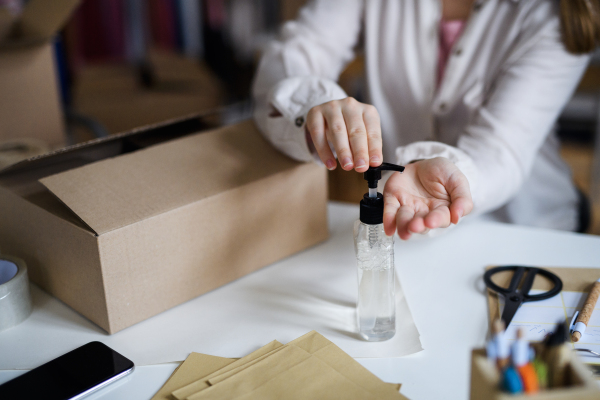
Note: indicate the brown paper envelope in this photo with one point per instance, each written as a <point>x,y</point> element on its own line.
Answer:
<point>219,378</point>
<point>332,355</point>
<point>195,365</point>
<point>200,383</point>
<point>574,279</point>
<point>291,373</point>
<point>254,376</point>
<point>317,344</point>
<point>311,379</point>
<point>222,376</point>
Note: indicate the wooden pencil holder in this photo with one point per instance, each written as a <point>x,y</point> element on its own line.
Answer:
<point>485,382</point>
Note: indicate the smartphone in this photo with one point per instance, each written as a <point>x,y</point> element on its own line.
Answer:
<point>71,376</point>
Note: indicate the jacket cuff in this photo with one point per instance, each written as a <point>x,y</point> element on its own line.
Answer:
<point>293,98</point>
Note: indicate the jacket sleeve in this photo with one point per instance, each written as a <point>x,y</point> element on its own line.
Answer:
<point>498,147</point>
<point>299,71</point>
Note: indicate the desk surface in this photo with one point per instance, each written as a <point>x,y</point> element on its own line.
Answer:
<point>441,278</point>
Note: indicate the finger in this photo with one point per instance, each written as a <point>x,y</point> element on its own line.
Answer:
<point>460,197</point>
<point>337,134</point>
<point>373,125</point>
<point>404,215</point>
<point>417,223</point>
<point>357,134</point>
<point>315,123</point>
<point>390,208</point>
<point>460,207</point>
<point>438,218</point>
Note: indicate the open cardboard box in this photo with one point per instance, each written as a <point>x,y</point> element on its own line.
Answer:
<point>126,227</point>
<point>29,99</point>
<point>485,382</point>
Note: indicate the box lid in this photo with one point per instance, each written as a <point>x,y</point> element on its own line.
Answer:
<point>38,22</point>
<point>120,191</point>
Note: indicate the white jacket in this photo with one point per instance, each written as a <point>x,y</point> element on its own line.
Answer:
<point>504,86</point>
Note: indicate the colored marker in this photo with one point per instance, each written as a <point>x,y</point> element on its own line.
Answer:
<point>520,350</point>
<point>541,370</point>
<point>521,360</point>
<point>501,344</point>
<point>512,381</point>
<point>529,378</point>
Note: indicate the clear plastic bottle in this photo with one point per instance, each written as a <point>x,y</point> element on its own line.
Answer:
<point>376,306</point>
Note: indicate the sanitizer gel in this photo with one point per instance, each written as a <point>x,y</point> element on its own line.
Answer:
<point>376,306</point>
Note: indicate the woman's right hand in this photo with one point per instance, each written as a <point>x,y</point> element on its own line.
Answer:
<point>354,130</point>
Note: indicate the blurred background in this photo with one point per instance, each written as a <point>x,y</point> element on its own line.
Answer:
<point>122,64</point>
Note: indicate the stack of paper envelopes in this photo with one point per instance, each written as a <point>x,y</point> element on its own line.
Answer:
<point>310,367</point>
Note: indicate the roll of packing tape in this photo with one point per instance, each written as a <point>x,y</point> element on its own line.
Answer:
<point>15,302</point>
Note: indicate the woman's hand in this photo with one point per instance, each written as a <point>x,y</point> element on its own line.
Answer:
<point>429,194</point>
<point>354,130</point>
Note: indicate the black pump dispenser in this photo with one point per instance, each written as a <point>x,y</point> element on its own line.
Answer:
<point>371,208</point>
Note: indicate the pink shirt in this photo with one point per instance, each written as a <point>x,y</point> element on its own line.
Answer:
<point>449,33</point>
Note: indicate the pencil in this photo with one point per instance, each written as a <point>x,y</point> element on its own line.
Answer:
<point>586,312</point>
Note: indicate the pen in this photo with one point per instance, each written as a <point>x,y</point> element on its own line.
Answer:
<point>583,316</point>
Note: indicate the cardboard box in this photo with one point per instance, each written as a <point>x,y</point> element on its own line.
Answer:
<point>348,186</point>
<point>126,227</point>
<point>111,95</point>
<point>485,382</point>
<point>29,99</point>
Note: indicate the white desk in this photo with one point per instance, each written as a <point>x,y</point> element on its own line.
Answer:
<point>442,279</point>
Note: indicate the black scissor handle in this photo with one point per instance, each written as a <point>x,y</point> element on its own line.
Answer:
<point>526,287</point>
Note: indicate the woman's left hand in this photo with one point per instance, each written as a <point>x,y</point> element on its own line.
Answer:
<point>429,194</point>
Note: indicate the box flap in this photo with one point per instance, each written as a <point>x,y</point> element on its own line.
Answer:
<point>41,19</point>
<point>97,149</point>
<point>116,192</point>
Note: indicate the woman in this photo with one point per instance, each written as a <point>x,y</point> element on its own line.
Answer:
<point>468,91</point>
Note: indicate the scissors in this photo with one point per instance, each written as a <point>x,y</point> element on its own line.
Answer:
<point>516,294</point>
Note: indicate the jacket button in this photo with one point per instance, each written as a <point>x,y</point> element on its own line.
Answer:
<point>457,52</point>
<point>442,106</point>
<point>299,121</point>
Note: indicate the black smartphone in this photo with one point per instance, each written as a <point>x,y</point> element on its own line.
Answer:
<point>71,376</point>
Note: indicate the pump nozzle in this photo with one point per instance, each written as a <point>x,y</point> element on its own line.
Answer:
<point>371,206</point>
<point>373,174</point>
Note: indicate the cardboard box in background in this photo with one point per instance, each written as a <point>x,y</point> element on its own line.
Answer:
<point>348,186</point>
<point>29,95</point>
<point>126,227</point>
<point>111,94</point>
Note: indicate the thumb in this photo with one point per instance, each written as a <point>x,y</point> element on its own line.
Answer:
<point>461,202</point>
<point>390,208</point>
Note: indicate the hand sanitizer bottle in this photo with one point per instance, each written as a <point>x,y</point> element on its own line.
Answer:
<point>376,306</point>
